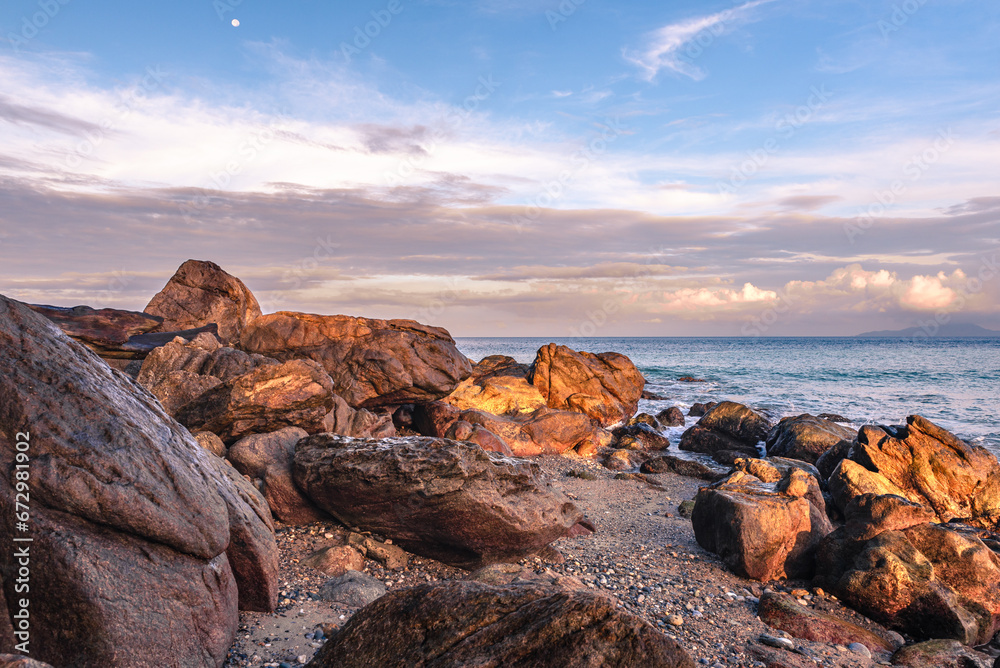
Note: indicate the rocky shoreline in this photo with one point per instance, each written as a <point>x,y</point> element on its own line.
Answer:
<point>334,491</point>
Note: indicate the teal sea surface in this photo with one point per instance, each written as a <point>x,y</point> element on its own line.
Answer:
<point>952,382</point>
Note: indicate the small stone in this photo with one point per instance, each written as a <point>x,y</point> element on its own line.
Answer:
<point>858,648</point>
<point>675,620</point>
<point>780,643</point>
<point>799,593</point>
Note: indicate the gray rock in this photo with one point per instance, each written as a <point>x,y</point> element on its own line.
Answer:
<point>353,589</point>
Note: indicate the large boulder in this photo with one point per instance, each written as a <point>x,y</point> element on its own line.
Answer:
<point>727,426</point>
<point>498,385</point>
<point>806,437</point>
<point>141,538</point>
<point>442,499</point>
<point>460,623</point>
<point>606,386</point>
<point>923,579</point>
<point>268,458</point>
<point>201,293</point>
<point>543,431</point>
<point>760,531</point>
<point>297,393</point>
<point>925,464</point>
<point>372,362</point>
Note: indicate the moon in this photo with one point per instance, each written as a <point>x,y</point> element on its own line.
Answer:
<point>236,23</point>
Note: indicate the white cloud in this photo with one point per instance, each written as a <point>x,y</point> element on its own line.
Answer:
<point>703,300</point>
<point>665,46</point>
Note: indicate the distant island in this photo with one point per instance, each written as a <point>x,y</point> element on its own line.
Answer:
<point>954,330</point>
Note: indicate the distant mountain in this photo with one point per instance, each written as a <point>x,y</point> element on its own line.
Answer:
<point>949,331</point>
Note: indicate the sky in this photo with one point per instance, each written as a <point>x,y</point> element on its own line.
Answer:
<point>512,167</point>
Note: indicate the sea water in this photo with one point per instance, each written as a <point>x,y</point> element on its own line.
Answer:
<point>952,382</point>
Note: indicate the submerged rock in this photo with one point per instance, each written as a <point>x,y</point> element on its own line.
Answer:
<point>442,499</point>
<point>461,623</point>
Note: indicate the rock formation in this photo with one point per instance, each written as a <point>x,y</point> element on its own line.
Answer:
<point>372,363</point>
<point>806,437</point>
<point>762,532</point>
<point>143,537</point>
<point>456,624</point>
<point>926,580</point>
<point>606,386</point>
<point>925,464</point>
<point>201,293</point>
<point>727,426</point>
<point>442,499</point>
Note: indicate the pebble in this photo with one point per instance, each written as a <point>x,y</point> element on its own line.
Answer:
<point>780,643</point>
<point>858,648</point>
<point>675,620</point>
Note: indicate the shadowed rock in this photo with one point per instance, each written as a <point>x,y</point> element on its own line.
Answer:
<point>343,420</point>
<point>201,293</point>
<point>684,467</point>
<point>372,362</point>
<point>181,372</point>
<point>671,417</point>
<point>18,661</point>
<point>268,458</point>
<point>98,328</point>
<point>442,499</point>
<point>142,536</point>
<point>457,624</point>
<point>941,654</point>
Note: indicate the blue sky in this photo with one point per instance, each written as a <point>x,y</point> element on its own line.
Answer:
<point>513,167</point>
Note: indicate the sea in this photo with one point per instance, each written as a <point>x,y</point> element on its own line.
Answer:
<point>954,383</point>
